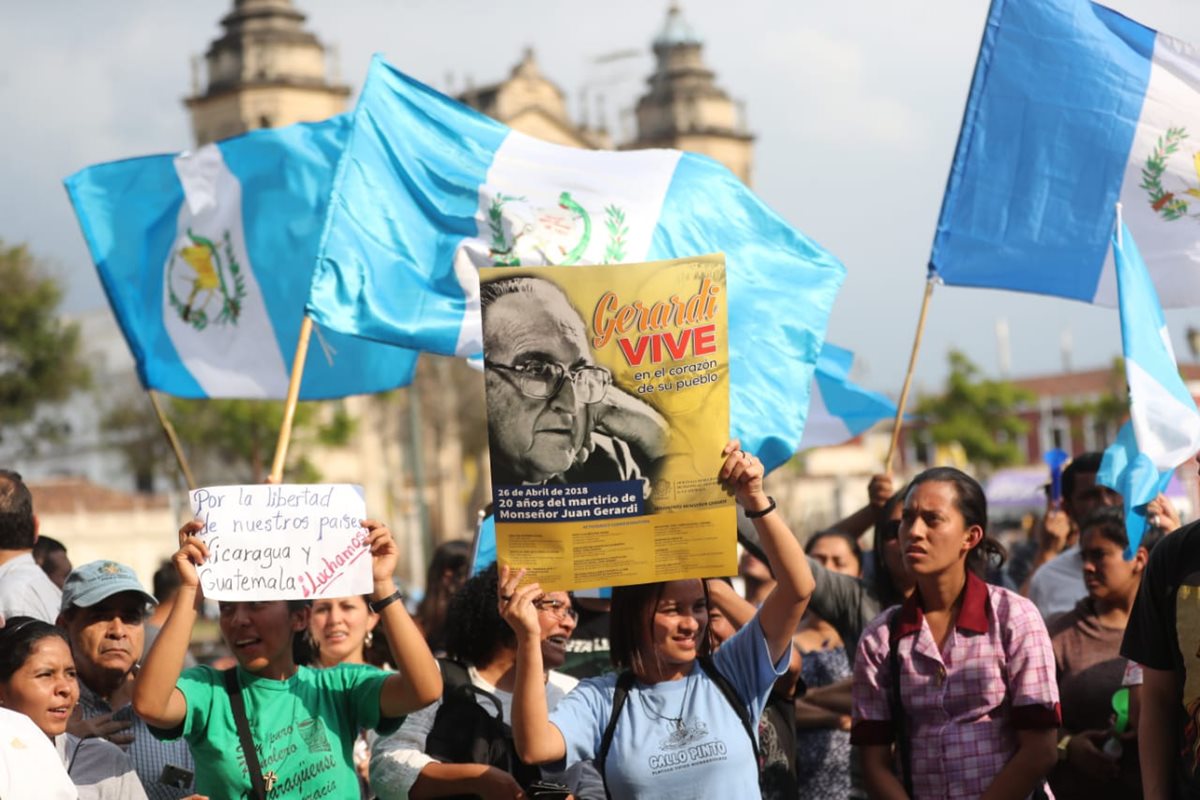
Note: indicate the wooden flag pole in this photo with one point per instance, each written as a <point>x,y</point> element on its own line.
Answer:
<point>912,365</point>
<point>293,396</point>
<point>172,439</point>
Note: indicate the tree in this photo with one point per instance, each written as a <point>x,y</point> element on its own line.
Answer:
<point>225,441</point>
<point>977,413</point>
<point>40,360</point>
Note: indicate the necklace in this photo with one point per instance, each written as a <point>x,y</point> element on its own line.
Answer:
<point>677,720</point>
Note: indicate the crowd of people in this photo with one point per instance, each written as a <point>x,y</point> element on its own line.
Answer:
<point>896,654</point>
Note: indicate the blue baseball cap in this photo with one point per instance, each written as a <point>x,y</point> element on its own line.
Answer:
<point>96,581</point>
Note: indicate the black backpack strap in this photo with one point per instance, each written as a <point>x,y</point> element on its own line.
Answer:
<point>624,684</point>
<point>731,697</point>
<point>456,679</point>
<point>238,704</point>
<point>454,674</point>
<point>896,704</point>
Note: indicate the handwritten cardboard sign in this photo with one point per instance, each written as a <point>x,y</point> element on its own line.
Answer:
<point>287,542</point>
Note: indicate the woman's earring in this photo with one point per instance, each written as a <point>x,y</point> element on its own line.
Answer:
<point>370,638</point>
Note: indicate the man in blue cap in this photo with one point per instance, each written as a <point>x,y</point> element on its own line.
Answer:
<point>104,609</point>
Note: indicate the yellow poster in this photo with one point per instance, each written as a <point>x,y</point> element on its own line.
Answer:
<point>608,407</point>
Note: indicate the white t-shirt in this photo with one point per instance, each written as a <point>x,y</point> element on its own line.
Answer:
<point>397,760</point>
<point>29,765</point>
<point>1058,585</point>
<point>26,591</point>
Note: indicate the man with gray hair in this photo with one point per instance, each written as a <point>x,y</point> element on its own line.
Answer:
<point>554,415</point>
<point>24,588</point>
<point>104,610</point>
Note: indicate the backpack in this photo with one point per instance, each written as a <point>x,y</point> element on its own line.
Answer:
<point>625,683</point>
<point>464,732</point>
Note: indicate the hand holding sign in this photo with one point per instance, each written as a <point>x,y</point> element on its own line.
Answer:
<point>192,553</point>
<point>384,553</point>
<point>516,604</point>
<point>742,474</point>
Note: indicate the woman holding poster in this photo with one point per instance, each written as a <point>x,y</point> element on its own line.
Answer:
<point>295,726</point>
<point>676,722</point>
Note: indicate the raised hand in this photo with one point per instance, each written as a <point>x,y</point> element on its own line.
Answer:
<point>627,418</point>
<point>384,551</point>
<point>880,490</point>
<point>742,474</point>
<point>192,552</point>
<point>101,726</point>
<point>516,602</point>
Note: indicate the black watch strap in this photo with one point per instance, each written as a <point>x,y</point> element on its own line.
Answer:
<point>380,605</point>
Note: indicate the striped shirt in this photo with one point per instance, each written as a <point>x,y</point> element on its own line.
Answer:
<point>149,755</point>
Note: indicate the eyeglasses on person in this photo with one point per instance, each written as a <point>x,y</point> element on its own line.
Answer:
<point>543,380</point>
<point>559,609</point>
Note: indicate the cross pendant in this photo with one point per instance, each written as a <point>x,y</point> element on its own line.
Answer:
<point>269,779</point>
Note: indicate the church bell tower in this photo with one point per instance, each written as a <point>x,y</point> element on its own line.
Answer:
<point>264,71</point>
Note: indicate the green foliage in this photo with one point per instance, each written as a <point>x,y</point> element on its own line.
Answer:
<point>977,413</point>
<point>234,440</point>
<point>40,359</point>
<point>1110,408</point>
<point>225,441</point>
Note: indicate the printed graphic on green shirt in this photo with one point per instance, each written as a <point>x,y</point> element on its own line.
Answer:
<point>303,728</point>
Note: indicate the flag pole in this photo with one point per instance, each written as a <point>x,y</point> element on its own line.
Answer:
<point>172,439</point>
<point>912,365</point>
<point>293,396</point>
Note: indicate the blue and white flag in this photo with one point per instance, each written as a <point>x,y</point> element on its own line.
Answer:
<point>429,191</point>
<point>207,259</point>
<point>1164,426</point>
<point>840,410</point>
<point>1072,108</point>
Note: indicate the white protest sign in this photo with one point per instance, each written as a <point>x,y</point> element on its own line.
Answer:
<point>287,542</point>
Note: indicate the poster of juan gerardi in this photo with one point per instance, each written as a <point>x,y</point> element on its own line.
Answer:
<point>608,407</point>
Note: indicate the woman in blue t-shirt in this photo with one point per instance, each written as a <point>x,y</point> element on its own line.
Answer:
<point>678,732</point>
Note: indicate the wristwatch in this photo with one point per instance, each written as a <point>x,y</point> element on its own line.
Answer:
<point>379,605</point>
<point>1063,743</point>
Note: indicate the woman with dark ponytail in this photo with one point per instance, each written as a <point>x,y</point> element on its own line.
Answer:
<point>954,690</point>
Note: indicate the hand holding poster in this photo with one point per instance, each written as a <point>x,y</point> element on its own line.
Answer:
<point>608,407</point>
<point>286,542</point>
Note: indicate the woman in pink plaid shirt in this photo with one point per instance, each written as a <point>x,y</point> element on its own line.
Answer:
<point>976,712</point>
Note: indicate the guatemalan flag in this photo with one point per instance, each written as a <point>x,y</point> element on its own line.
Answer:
<point>840,409</point>
<point>1164,426</point>
<point>207,258</point>
<point>428,191</point>
<point>1072,108</point>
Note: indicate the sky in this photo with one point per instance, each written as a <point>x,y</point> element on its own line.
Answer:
<point>856,108</point>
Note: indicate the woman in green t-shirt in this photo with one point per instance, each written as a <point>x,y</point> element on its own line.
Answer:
<point>303,722</point>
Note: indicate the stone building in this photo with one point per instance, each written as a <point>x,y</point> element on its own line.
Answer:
<point>265,71</point>
<point>529,102</point>
<point>685,109</point>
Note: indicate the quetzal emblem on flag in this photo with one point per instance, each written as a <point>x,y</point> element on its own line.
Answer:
<point>205,285</point>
